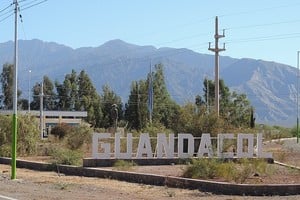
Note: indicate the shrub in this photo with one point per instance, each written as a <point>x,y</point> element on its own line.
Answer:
<point>244,171</point>
<point>238,172</point>
<point>202,168</point>
<point>227,171</point>
<point>124,165</point>
<point>5,150</point>
<point>66,156</point>
<point>78,136</point>
<point>245,168</point>
<point>61,130</point>
<point>27,136</point>
<point>154,129</point>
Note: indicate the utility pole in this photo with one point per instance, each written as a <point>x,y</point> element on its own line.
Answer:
<point>29,90</point>
<point>217,50</point>
<point>138,106</point>
<point>150,95</point>
<point>298,52</point>
<point>207,94</point>
<point>15,99</point>
<point>42,109</point>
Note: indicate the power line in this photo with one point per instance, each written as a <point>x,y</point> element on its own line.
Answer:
<point>3,19</point>
<point>6,8</point>
<point>265,38</point>
<point>258,10</point>
<point>264,25</point>
<point>30,6</point>
<point>9,13</point>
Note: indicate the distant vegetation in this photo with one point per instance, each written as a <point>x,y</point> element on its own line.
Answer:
<point>77,93</point>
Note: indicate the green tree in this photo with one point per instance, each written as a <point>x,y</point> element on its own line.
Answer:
<point>209,93</point>
<point>49,94</point>
<point>108,98</point>
<point>67,92</point>
<point>136,107</point>
<point>36,90</point>
<point>88,99</point>
<point>165,109</point>
<point>78,93</point>
<point>193,119</point>
<point>235,108</point>
<point>6,79</point>
<point>49,98</point>
<point>238,110</point>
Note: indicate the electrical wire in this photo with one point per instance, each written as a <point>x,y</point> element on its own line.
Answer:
<point>26,6</point>
<point>264,25</point>
<point>30,6</point>
<point>258,10</point>
<point>2,10</point>
<point>265,38</point>
<point>3,19</point>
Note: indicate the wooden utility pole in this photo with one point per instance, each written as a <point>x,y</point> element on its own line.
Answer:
<point>217,50</point>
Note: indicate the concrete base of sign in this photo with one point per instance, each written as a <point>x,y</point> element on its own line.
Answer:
<point>93,162</point>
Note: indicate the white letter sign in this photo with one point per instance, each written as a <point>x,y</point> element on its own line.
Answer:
<point>205,146</point>
<point>221,138</point>
<point>144,146</point>
<point>118,153</point>
<point>104,146</point>
<point>250,151</point>
<point>190,138</point>
<point>260,153</point>
<point>162,144</point>
<point>165,146</point>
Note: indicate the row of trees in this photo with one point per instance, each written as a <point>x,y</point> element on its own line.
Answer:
<point>77,92</point>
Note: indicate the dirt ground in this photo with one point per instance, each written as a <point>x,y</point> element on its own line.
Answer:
<point>50,185</point>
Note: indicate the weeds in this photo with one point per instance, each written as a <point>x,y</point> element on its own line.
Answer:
<point>238,172</point>
<point>124,165</point>
<point>202,168</point>
<point>62,186</point>
<point>280,156</point>
<point>66,156</point>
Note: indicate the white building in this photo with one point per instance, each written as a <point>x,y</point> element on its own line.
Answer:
<point>50,119</point>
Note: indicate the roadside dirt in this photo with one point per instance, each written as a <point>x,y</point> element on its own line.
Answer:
<point>50,185</point>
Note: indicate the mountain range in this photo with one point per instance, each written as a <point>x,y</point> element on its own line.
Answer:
<point>270,86</point>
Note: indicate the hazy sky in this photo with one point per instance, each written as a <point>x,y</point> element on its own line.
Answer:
<point>260,29</point>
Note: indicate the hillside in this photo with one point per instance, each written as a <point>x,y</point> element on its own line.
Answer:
<point>270,86</point>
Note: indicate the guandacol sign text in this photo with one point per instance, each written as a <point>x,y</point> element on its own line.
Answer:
<point>165,146</point>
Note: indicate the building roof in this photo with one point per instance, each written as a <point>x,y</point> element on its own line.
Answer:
<point>48,113</point>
